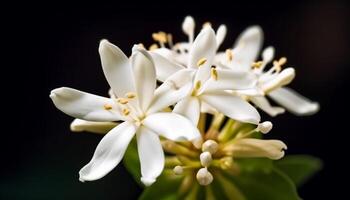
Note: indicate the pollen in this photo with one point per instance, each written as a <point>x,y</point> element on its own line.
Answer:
<point>201,62</point>
<point>214,73</point>
<point>130,95</point>
<point>107,106</point>
<point>123,100</point>
<point>160,37</point>
<point>153,47</point>
<point>126,111</point>
<point>229,54</point>
<point>257,64</point>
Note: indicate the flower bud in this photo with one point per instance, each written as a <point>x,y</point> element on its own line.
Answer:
<point>210,146</point>
<point>265,127</point>
<point>204,177</point>
<point>205,159</point>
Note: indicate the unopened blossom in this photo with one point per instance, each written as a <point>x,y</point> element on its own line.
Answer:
<point>137,104</point>
<point>209,84</point>
<point>242,58</point>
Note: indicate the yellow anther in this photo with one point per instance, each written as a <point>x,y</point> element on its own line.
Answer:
<point>277,66</point>
<point>229,54</point>
<point>206,24</point>
<point>201,62</point>
<point>197,85</point>
<point>282,61</point>
<point>126,111</point>
<point>123,100</point>
<point>107,106</point>
<point>214,73</point>
<point>169,37</point>
<point>257,64</point>
<point>160,37</point>
<point>153,47</point>
<point>130,95</point>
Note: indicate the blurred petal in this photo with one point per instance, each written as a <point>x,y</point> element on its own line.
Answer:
<point>190,108</point>
<point>164,67</point>
<point>83,105</point>
<point>79,125</point>
<point>145,77</point>
<point>264,105</point>
<point>206,108</point>
<point>220,34</point>
<point>151,155</point>
<point>109,152</point>
<point>232,106</point>
<point>188,27</point>
<point>204,47</point>
<point>283,78</point>
<point>294,102</point>
<point>172,90</point>
<point>116,68</point>
<point>172,126</point>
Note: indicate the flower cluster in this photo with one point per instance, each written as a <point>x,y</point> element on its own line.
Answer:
<point>198,83</point>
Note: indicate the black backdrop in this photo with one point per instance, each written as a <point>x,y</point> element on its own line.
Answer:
<point>58,47</point>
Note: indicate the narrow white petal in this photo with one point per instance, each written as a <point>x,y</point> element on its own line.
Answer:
<point>294,102</point>
<point>250,147</point>
<point>164,67</point>
<point>264,105</point>
<point>220,34</point>
<point>250,92</point>
<point>109,152</point>
<point>232,106</point>
<point>145,77</point>
<point>204,47</point>
<point>172,90</point>
<point>117,69</point>
<point>190,108</point>
<point>268,54</point>
<point>248,44</point>
<point>206,108</point>
<point>172,126</point>
<point>188,27</point>
<point>282,79</point>
<point>231,80</point>
<point>151,155</point>
<point>79,125</point>
<point>83,105</point>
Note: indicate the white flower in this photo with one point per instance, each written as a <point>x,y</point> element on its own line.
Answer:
<point>241,59</point>
<point>138,105</point>
<point>208,84</point>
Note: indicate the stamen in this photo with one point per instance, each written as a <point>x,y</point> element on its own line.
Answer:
<point>229,54</point>
<point>160,37</point>
<point>130,95</point>
<point>282,61</point>
<point>214,73</point>
<point>122,100</point>
<point>257,64</point>
<point>107,106</point>
<point>170,39</point>
<point>153,47</point>
<point>126,111</point>
<point>201,62</point>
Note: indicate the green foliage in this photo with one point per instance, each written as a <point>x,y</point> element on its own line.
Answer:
<point>131,161</point>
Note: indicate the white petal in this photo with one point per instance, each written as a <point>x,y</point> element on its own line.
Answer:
<point>164,67</point>
<point>79,125</point>
<point>232,106</point>
<point>151,155</point>
<point>188,27</point>
<point>206,108</point>
<point>83,105</point>
<point>231,80</point>
<point>268,54</point>
<point>172,90</point>
<point>250,147</point>
<point>204,47</point>
<point>250,92</point>
<point>220,34</point>
<point>282,79</point>
<point>116,68</point>
<point>294,102</point>
<point>248,44</point>
<point>172,126</point>
<point>190,108</point>
<point>264,105</point>
<point>109,152</point>
<point>145,77</point>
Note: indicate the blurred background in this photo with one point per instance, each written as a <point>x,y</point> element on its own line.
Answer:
<point>42,157</point>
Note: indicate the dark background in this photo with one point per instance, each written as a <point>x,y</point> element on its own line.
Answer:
<point>57,46</point>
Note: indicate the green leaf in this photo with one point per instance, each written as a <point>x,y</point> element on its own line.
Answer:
<point>165,188</point>
<point>248,165</point>
<point>299,167</point>
<point>259,185</point>
<point>131,161</point>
